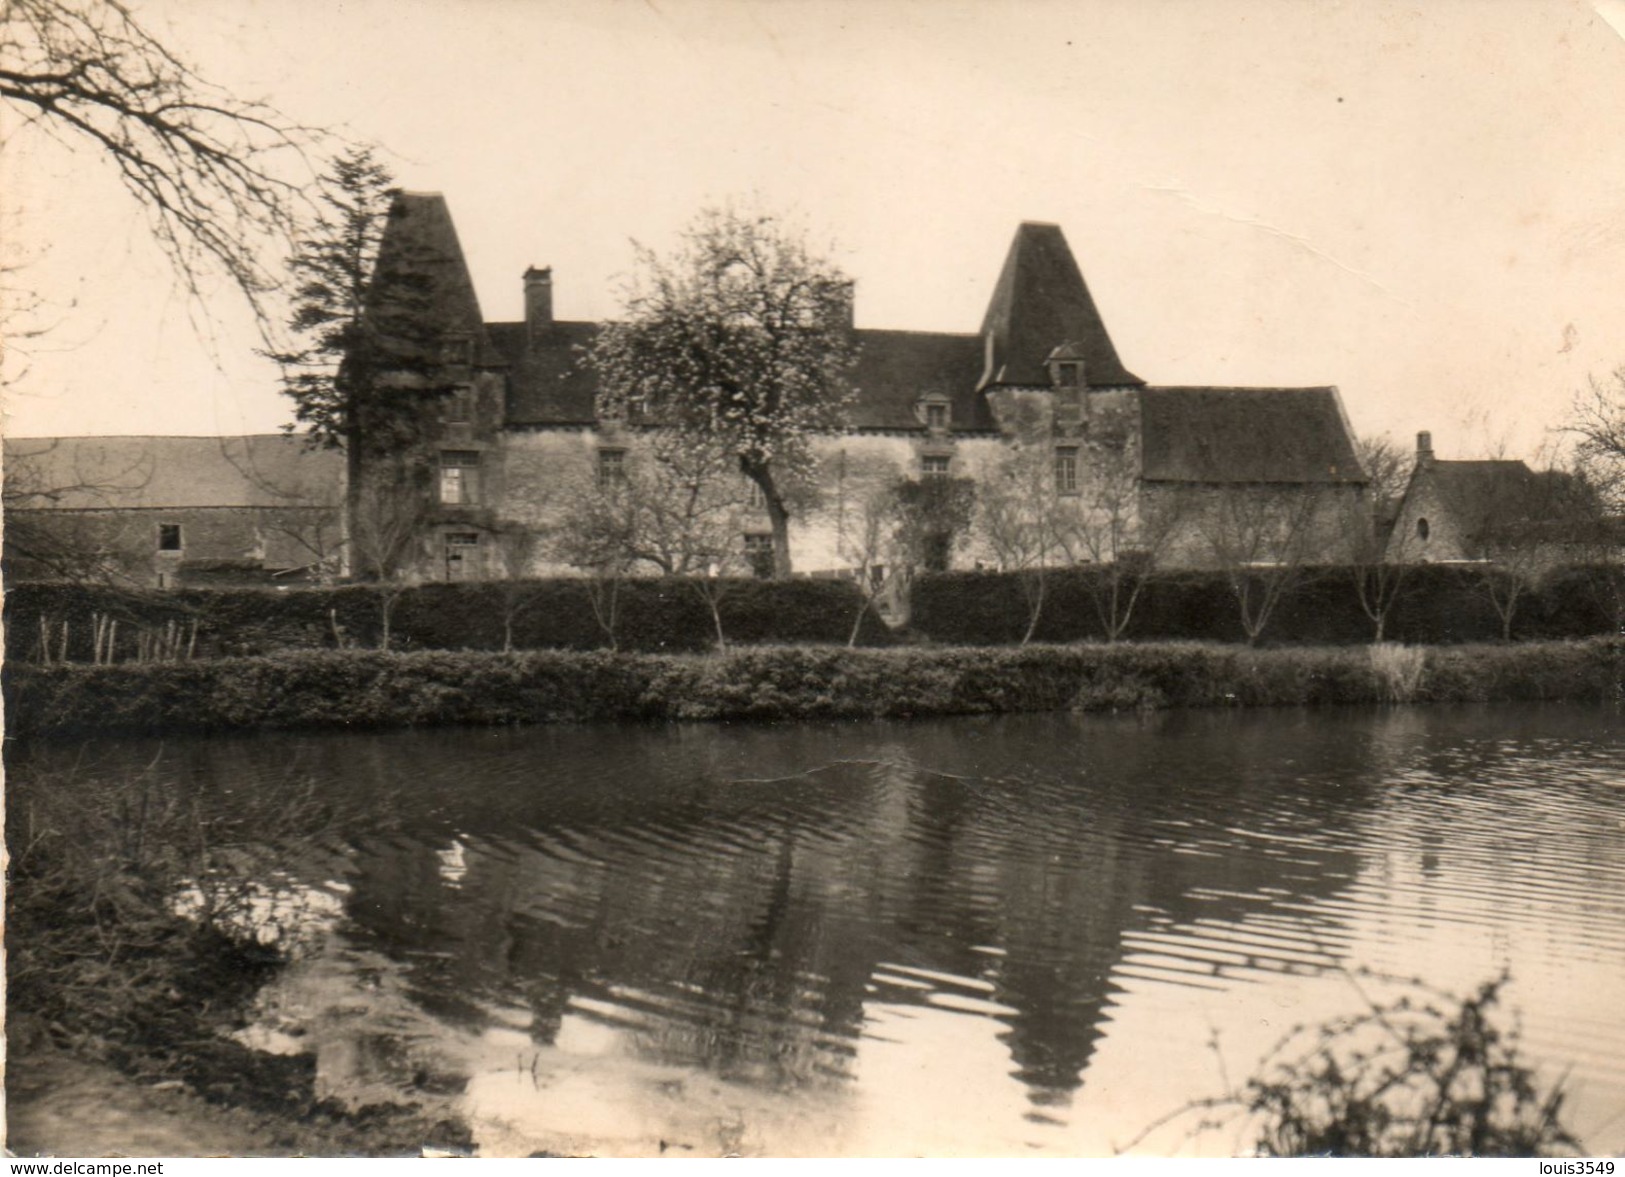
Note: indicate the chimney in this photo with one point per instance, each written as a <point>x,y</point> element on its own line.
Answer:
<point>846,297</point>
<point>1424,450</point>
<point>538,300</point>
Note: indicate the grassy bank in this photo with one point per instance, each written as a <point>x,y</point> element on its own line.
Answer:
<point>107,977</point>
<point>374,689</point>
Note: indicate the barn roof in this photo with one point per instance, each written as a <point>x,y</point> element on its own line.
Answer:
<point>90,473</point>
<point>1256,435</point>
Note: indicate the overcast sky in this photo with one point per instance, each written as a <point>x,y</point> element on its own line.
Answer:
<point>1421,203</point>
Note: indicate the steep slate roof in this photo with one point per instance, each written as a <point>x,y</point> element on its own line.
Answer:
<point>551,383</point>
<point>1479,492</point>
<point>896,368</point>
<point>90,473</point>
<point>1041,303</point>
<point>420,239</point>
<point>1259,435</point>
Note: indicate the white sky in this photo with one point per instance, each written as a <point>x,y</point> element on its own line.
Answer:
<point>1422,203</point>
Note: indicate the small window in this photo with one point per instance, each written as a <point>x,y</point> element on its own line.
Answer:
<point>169,537</point>
<point>759,554</point>
<point>462,555</point>
<point>936,417</point>
<point>754,498</point>
<point>1066,470</point>
<point>934,466</point>
<point>459,403</point>
<point>459,477</point>
<point>1068,373</point>
<point>611,469</point>
<point>1422,529</point>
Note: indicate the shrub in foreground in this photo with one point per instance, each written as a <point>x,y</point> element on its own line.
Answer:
<point>1423,1075</point>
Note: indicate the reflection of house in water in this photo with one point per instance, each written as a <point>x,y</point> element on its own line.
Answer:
<point>751,927</point>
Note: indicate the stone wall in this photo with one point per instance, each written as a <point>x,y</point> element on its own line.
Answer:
<point>1424,510</point>
<point>124,545</point>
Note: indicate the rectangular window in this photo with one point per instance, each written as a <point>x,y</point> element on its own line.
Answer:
<point>759,554</point>
<point>1066,470</point>
<point>1068,374</point>
<point>934,466</point>
<point>754,498</point>
<point>459,403</point>
<point>936,417</point>
<point>611,469</point>
<point>462,555</point>
<point>459,477</point>
<point>169,537</point>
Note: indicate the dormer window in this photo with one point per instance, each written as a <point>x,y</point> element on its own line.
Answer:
<point>934,412</point>
<point>1065,365</point>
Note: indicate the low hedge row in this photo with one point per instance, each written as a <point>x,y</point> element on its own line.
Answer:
<point>655,615</point>
<point>1438,604</point>
<point>377,689</point>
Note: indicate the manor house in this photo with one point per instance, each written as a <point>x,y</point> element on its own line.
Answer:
<point>1271,473</point>
<point>1041,373</point>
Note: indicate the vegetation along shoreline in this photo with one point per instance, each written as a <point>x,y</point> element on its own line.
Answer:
<point>380,689</point>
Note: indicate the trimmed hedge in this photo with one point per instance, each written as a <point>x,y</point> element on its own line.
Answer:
<point>656,615</point>
<point>374,689</point>
<point>1440,604</point>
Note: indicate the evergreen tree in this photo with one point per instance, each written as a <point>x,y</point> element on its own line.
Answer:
<point>367,366</point>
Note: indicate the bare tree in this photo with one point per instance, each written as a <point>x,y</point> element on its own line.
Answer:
<point>1597,419</point>
<point>220,177</point>
<point>670,505</point>
<point>517,548</point>
<point>1120,528</point>
<point>1381,560</point>
<point>1529,527</point>
<point>1261,538</point>
<point>1021,519</point>
<point>385,536</point>
<point>1380,557</point>
<point>867,538</point>
<point>56,523</point>
<point>1387,467</point>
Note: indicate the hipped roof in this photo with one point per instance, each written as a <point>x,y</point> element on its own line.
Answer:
<point>420,240</point>
<point>1042,303</point>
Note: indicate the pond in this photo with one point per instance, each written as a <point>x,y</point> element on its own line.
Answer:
<point>1017,935</point>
